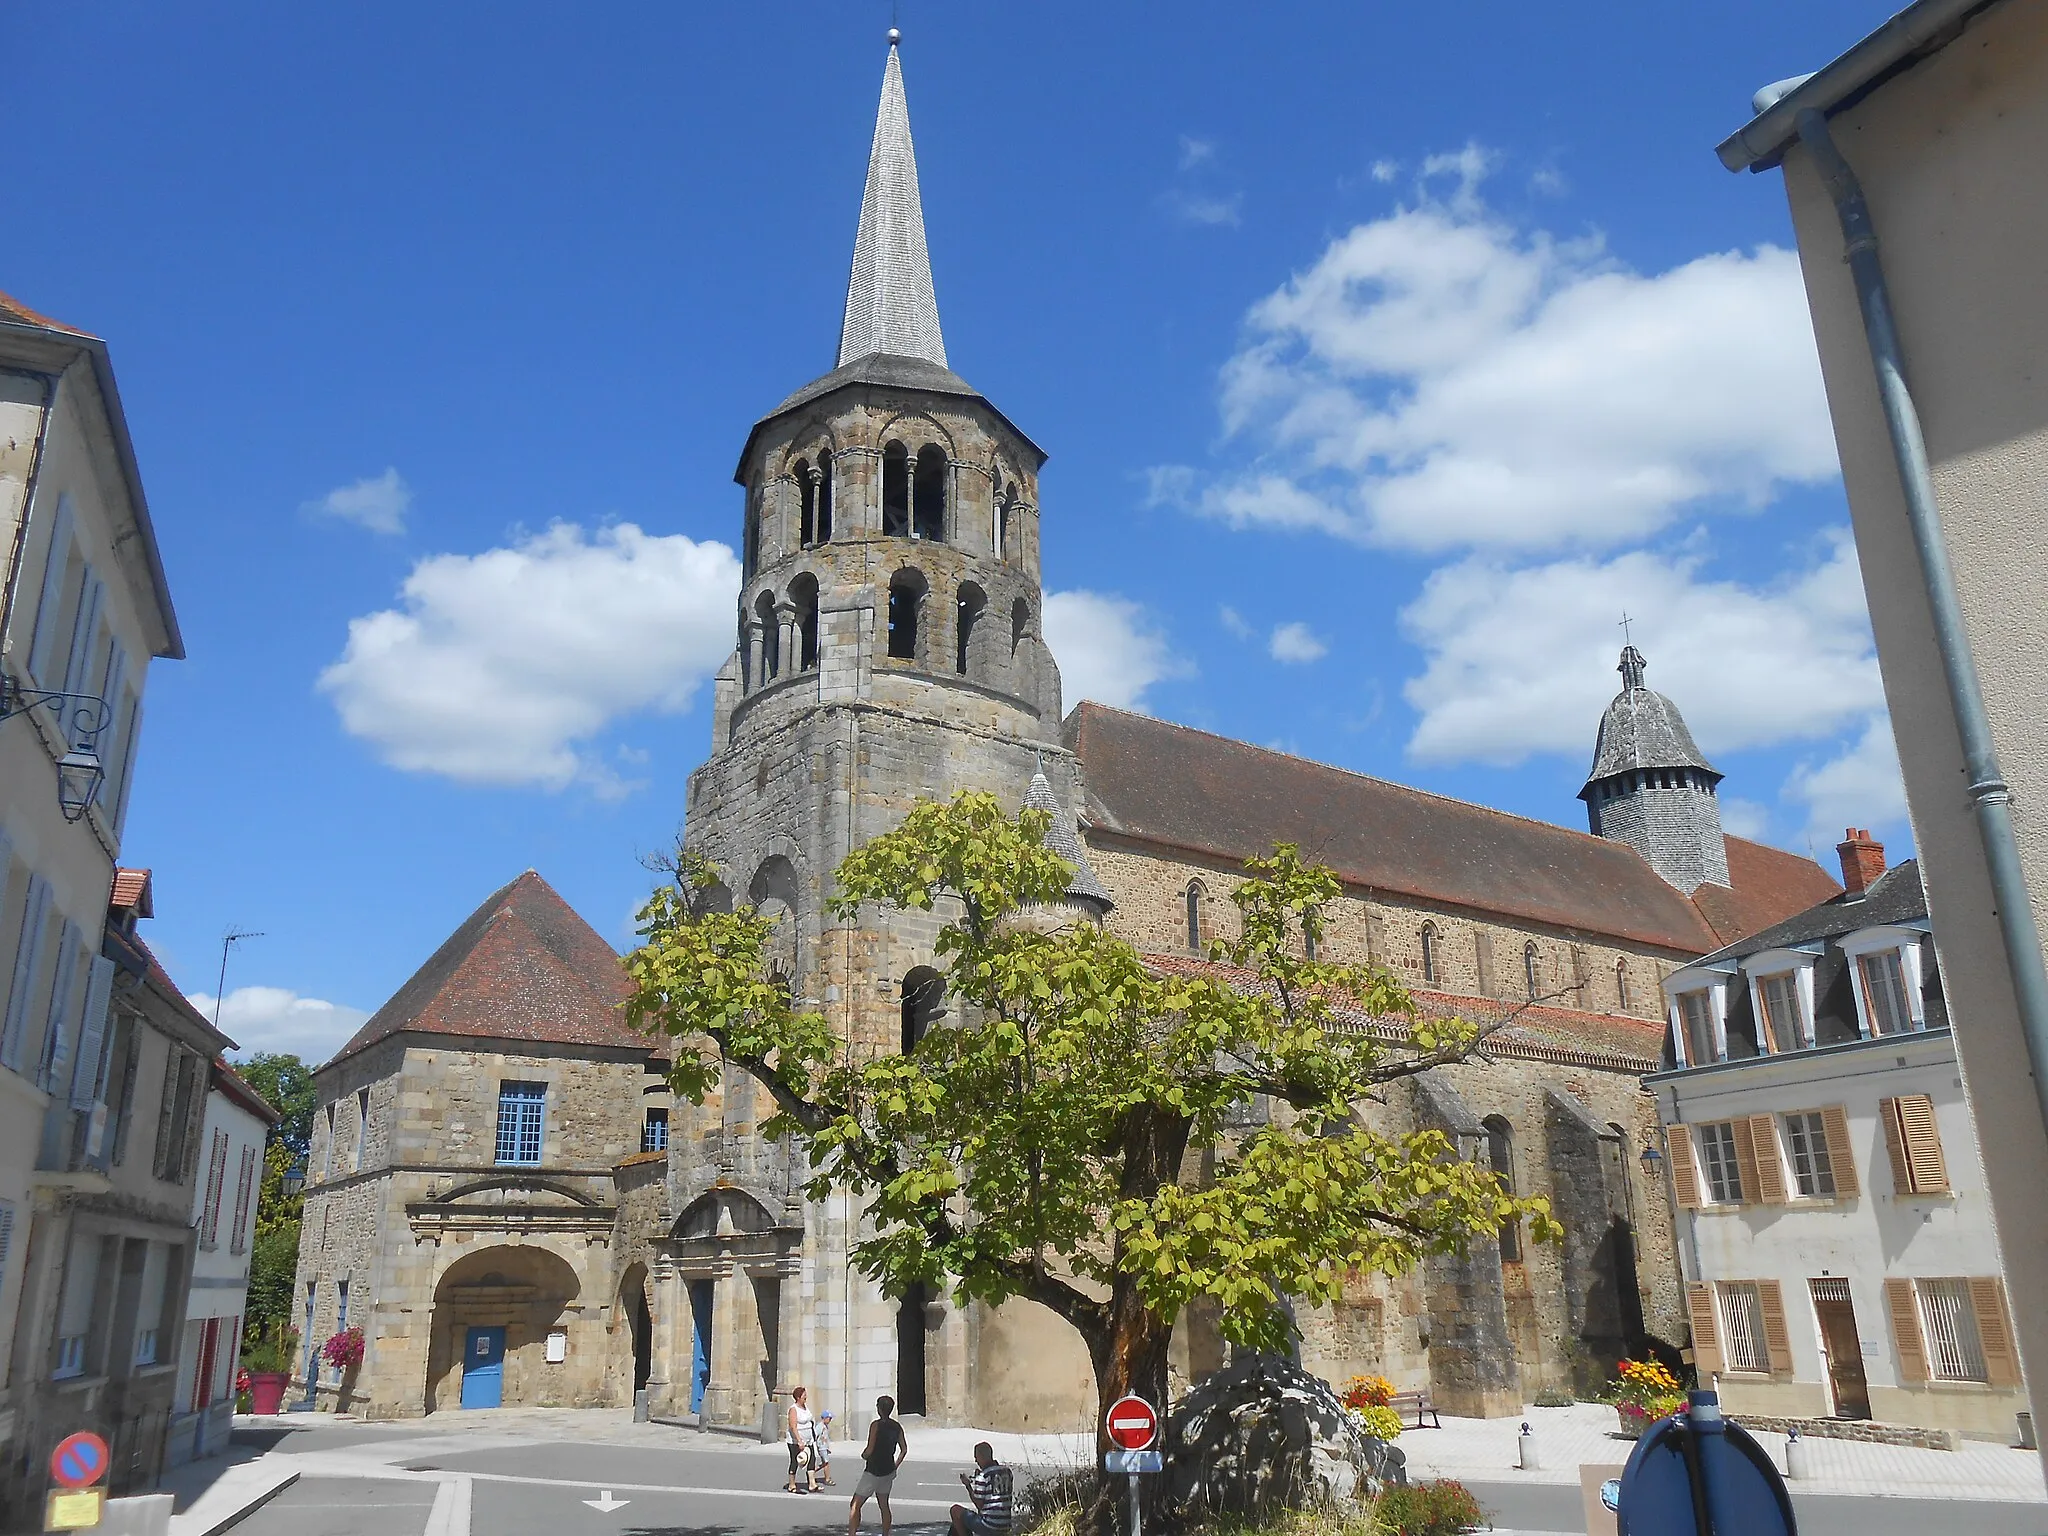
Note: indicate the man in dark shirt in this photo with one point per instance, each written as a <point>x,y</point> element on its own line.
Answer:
<point>990,1486</point>
<point>879,1459</point>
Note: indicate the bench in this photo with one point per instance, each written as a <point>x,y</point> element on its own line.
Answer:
<point>1417,1403</point>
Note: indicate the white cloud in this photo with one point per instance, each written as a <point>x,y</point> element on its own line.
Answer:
<point>1385,170</point>
<point>1233,623</point>
<point>1745,818</point>
<point>274,1019</point>
<point>500,668</point>
<point>1108,648</point>
<point>1296,642</point>
<point>1439,379</point>
<point>1861,787</point>
<point>1205,208</point>
<point>378,503</point>
<point>1194,151</point>
<point>1520,660</point>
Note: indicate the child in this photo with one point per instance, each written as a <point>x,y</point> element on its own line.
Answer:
<point>821,1446</point>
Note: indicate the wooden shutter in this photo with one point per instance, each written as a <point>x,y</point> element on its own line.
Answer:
<point>192,1098</point>
<point>1770,1162</point>
<point>239,1239</point>
<point>1685,1172</point>
<point>1994,1331</point>
<point>1706,1329</point>
<point>1922,1138</point>
<point>1895,1144</point>
<point>1898,1298</point>
<point>1841,1156</point>
<point>1777,1337</point>
<point>216,1179</point>
<point>167,1117</point>
<point>1745,1160</point>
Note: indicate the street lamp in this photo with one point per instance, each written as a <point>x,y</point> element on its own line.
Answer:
<point>1653,1160</point>
<point>81,717</point>
<point>294,1181</point>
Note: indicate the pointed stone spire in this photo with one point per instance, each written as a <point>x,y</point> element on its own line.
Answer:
<point>890,305</point>
<point>1064,839</point>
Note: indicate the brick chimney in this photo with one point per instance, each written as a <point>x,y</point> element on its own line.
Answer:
<point>1862,860</point>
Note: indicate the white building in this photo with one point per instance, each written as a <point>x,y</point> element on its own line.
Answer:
<point>1836,1234</point>
<point>238,1122</point>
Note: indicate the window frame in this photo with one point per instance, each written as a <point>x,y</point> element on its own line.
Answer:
<point>1750,1333</point>
<point>1806,1141</point>
<point>511,1094</point>
<point>1683,1023</point>
<point>1904,941</point>
<point>1713,1160</point>
<point>654,1128</point>
<point>1430,977</point>
<point>1959,1345</point>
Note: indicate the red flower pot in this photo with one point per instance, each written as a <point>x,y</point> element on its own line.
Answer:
<point>266,1390</point>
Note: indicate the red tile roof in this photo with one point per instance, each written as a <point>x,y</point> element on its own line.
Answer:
<point>234,1086</point>
<point>133,892</point>
<point>1540,1031</point>
<point>13,309</point>
<point>1154,782</point>
<point>523,967</point>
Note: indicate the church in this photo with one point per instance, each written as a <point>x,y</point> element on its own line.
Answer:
<point>597,1239</point>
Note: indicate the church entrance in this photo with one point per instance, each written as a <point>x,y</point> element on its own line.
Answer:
<point>700,1342</point>
<point>910,1351</point>
<point>494,1313</point>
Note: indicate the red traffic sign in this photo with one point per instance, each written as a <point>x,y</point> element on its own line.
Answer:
<point>1133,1423</point>
<point>79,1461</point>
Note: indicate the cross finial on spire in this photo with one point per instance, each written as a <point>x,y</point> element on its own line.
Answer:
<point>1626,637</point>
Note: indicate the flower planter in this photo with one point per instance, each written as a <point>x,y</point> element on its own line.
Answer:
<point>266,1390</point>
<point>1634,1420</point>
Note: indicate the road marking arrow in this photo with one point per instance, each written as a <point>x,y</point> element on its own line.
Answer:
<point>607,1504</point>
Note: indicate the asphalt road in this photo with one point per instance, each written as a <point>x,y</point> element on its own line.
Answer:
<point>344,1506</point>
<point>1553,1507</point>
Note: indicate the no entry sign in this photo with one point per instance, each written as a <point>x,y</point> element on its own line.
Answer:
<point>79,1460</point>
<point>1133,1423</point>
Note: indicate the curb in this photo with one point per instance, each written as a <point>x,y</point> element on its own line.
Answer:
<point>199,1521</point>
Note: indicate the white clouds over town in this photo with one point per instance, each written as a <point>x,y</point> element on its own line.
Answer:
<point>379,503</point>
<point>1109,648</point>
<point>506,667</point>
<point>280,1021</point>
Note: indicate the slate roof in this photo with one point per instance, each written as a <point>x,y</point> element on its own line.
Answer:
<point>890,303</point>
<point>1895,897</point>
<point>1540,1032</point>
<point>1154,782</point>
<point>1641,729</point>
<point>1063,839</point>
<point>523,966</point>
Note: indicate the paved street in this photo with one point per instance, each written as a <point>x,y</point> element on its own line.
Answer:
<point>559,1473</point>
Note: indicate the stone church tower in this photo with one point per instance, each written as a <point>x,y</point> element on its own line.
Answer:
<point>1652,788</point>
<point>889,647</point>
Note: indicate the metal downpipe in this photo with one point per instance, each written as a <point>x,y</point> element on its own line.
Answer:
<point>1990,799</point>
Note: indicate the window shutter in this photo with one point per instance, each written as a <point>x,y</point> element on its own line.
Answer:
<point>1770,1162</point>
<point>1922,1138</point>
<point>216,1179</point>
<point>1706,1329</point>
<point>1745,1160</point>
<point>1895,1144</point>
<point>53,1078</point>
<point>84,632</point>
<point>44,639</point>
<point>239,1239</point>
<point>1835,1122</point>
<point>166,1117</point>
<point>193,1069</point>
<point>1994,1331</point>
<point>1898,1298</point>
<point>89,1077</point>
<point>35,917</point>
<point>1777,1337</point>
<point>1685,1173</point>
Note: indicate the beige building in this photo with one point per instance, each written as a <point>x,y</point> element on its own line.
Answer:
<point>461,1202</point>
<point>105,1273</point>
<point>1939,118</point>
<point>1836,1233</point>
<point>83,610</point>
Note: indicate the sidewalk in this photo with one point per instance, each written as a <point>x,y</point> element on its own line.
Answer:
<point>1487,1450</point>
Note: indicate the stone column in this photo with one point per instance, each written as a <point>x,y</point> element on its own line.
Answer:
<point>664,1370</point>
<point>790,644</point>
<point>722,1396</point>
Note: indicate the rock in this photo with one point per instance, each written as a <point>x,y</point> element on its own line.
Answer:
<point>1262,1435</point>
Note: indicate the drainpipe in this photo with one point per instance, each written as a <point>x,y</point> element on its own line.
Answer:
<point>1990,799</point>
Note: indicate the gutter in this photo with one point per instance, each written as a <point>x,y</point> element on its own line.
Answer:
<point>1918,30</point>
<point>1990,799</point>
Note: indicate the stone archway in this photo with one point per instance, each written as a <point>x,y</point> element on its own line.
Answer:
<point>530,1293</point>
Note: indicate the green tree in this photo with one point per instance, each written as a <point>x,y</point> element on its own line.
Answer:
<point>1039,1142</point>
<point>287,1083</point>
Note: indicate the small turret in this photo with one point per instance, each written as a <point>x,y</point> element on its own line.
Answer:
<point>1064,839</point>
<point>1652,788</point>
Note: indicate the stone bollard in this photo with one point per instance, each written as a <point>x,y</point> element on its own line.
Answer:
<point>1532,1460</point>
<point>1795,1455</point>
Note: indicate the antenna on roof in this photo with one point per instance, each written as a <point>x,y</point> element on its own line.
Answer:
<point>228,941</point>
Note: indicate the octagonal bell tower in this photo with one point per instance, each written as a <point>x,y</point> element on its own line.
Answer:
<point>888,646</point>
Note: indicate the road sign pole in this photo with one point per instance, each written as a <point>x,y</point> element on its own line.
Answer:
<point>1137,1519</point>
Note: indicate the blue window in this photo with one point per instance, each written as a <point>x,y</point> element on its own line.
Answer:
<point>654,1131</point>
<point>519,1116</point>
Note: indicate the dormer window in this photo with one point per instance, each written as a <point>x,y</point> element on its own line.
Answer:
<point>1884,992</point>
<point>1885,967</point>
<point>1783,1016</point>
<point>1696,1024</point>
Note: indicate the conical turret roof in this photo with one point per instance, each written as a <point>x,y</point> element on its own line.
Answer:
<point>1642,729</point>
<point>890,305</point>
<point>1064,839</point>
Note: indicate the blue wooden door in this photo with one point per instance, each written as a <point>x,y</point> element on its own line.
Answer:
<point>483,1368</point>
<point>700,1353</point>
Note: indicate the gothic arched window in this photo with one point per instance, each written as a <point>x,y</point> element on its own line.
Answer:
<point>1429,954</point>
<point>972,603</point>
<point>928,495</point>
<point>1500,1157</point>
<point>1194,916</point>
<point>906,599</point>
<point>1531,971</point>
<point>896,491</point>
<point>1621,986</point>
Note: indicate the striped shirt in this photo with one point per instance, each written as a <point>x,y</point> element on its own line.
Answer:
<point>990,1489</point>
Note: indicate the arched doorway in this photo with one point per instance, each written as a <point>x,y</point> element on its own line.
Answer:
<point>638,1323</point>
<point>503,1332</point>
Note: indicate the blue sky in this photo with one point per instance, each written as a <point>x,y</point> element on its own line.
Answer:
<point>1385,356</point>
